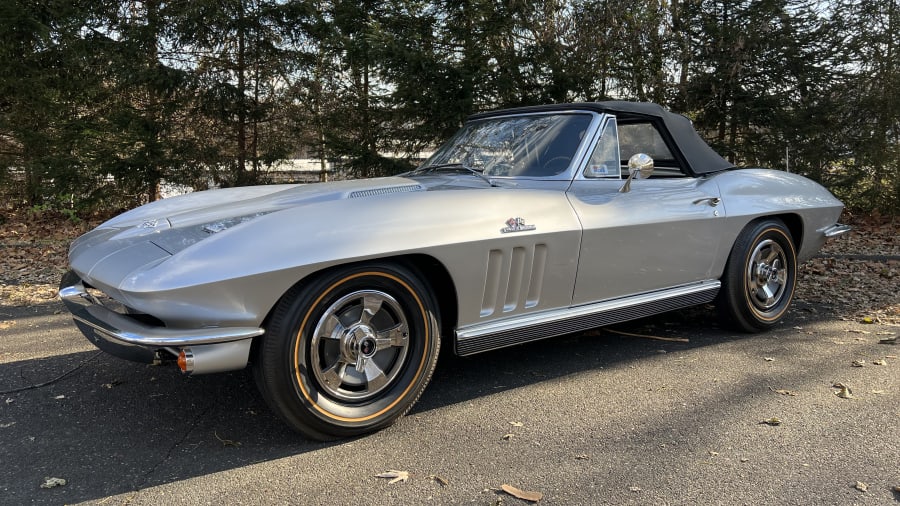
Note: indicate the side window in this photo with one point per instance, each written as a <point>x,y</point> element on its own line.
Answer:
<point>643,138</point>
<point>604,161</point>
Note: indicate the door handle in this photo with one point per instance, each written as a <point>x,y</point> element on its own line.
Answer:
<point>713,201</point>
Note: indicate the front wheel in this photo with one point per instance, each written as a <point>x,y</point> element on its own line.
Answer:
<point>759,278</point>
<point>350,351</point>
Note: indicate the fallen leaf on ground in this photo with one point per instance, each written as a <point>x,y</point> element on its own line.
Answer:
<point>394,475</point>
<point>525,495</point>
<point>227,442</point>
<point>844,392</point>
<point>781,391</point>
<point>888,340</point>
<point>862,487</point>
<point>769,359</point>
<point>507,437</point>
<point>441,481</point>
<point>858,363</point>
<point>772,421</point>
<point>878,392</point>
<point>879,362</point>
<point>53,482</point>
<point>517,424</point>
<point>868,320</point>
<point>583,456</point>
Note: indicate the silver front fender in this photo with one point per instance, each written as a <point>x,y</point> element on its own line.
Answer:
<point>131,339</point>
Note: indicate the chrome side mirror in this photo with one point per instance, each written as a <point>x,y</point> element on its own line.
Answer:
<point>640,166</point>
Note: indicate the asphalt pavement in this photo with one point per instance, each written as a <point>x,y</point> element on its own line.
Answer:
<point>599,418</point>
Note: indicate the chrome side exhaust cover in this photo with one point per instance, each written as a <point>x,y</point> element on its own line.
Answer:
<point>220,357</point>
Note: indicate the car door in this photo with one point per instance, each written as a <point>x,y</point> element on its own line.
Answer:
<point>662,233</point>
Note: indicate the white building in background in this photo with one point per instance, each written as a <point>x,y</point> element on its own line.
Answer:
<point>293,170</point>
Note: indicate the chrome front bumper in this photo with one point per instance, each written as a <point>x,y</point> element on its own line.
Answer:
<point>128,338</point>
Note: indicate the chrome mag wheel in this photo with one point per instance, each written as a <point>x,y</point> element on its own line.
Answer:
<point>350,350</point>
<point>766,275</point>
<point>359,345</point>
<point>759,278</point>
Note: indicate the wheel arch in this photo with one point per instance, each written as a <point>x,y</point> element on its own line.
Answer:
<point>441,284</point>
<point>794,224</point>
<point>431,271</point>
<point>792,221</point>
<point>733,303</point>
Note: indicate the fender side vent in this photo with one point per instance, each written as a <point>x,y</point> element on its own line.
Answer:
<point>514,279</point>
<point>385,191</point>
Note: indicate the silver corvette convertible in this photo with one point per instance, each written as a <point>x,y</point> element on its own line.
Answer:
<point>529,223</point>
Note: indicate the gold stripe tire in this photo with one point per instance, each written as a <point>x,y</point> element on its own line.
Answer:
<point>349,351</point>
<point>760,277</point>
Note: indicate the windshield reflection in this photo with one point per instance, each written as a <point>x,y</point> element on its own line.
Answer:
<point>523,146</point>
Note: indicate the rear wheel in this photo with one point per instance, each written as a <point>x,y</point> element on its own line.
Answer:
<point>349,352</point>
<point>759,278</point>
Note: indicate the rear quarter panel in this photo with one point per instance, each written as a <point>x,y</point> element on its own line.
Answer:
<point>748,194</point>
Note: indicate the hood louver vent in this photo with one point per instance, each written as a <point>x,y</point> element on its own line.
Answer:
<point>385,191</point>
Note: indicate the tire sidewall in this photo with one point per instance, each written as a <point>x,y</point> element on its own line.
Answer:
<point>738,305</point>
<point>300,399</point>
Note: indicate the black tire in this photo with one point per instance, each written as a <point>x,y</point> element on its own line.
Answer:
<point>350,351</point>
<point>760,276</point>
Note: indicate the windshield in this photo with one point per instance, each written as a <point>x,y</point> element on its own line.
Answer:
<point>527,146</point>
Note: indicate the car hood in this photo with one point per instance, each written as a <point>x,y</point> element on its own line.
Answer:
<point>151,233</point>
<point>211,205</point>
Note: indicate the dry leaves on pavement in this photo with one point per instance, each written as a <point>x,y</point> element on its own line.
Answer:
<point>394,475</point>
<point>525,495</point>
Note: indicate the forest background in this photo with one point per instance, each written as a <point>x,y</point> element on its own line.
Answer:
<point>103,100</point>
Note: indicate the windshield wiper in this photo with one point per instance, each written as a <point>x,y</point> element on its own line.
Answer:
<point>453,166</point>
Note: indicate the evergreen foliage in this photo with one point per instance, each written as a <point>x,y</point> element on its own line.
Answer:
<point>101,101</point>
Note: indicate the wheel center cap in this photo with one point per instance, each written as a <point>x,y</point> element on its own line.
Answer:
<point>360,341</point>
<point>367,347</point>
<point>767,272</point>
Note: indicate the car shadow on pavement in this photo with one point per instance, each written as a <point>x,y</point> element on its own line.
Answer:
<point>110,427</point>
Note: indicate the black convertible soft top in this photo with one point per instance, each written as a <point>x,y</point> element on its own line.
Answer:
<point>697,157</point>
